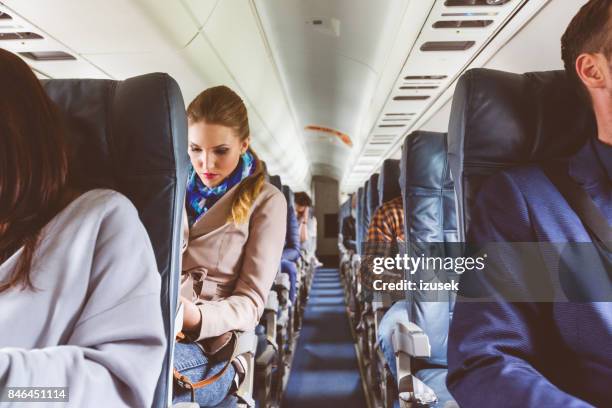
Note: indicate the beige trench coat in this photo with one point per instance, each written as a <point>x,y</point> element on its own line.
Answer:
<point>233,266</point>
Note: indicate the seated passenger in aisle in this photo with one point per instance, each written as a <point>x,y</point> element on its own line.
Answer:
<point>536,354</point>
<point>79,285</point>
<point>385,234</point>
<point>291,252</point>
<point>308,225</point>
<point>233,240</point>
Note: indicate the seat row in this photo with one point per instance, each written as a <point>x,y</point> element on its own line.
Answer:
<point>131,136</point>
<point>284,309</point>
<point>403,334</point>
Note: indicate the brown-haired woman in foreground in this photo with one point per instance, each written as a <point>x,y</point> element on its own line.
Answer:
<point>79,286</point>
<point>234,238</point>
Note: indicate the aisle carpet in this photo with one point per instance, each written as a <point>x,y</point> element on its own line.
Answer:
<point>325,371</point>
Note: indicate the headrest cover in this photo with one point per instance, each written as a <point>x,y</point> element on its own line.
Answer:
<point>388,181</point>
<point>372,192</point>
<point>500,119</point>
<point>427,188</point>
<point>121,129</point>
<point>288,193</point>
<point>345,209</point>
<point>276,182</point>
<point>361,218</point>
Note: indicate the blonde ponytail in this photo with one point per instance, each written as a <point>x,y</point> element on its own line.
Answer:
<point>248,191</point>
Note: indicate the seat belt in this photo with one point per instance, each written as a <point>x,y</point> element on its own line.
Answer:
<point>581,202</point>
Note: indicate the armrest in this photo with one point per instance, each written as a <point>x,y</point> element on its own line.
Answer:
<point>272,302</point>
<point>381,301</point>
<point>282,280</point>
<point>246,347</point>
<point>246,343</point>
<point>410,339</point>
<point>270,318</point>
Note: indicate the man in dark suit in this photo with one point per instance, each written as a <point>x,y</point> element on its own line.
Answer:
<point>545,354</point>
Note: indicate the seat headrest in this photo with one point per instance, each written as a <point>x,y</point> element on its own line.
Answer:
<point>131,136</point>
<point>361,231</point>
<point>288,193</point>
<point>388,181</point>
<point>344,209</point>
<point>500,119</point>
<point>119,131</point>
<point>427,188</point>
<point>372,195</point>
<point>276,182</point>
<point>343,212</point>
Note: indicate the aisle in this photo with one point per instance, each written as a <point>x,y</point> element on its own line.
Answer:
<point>324,372</point>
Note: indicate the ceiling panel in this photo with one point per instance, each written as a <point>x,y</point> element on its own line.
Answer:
<point>112,26</point>
<point>425,76</point>
<point>330,55</point>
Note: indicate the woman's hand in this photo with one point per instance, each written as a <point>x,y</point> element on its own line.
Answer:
<point>192,318</point>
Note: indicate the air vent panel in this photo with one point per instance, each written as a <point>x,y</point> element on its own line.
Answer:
<point>462,23</point>
<point>447,45</point>
<point>411,98</point>
<point>47,56</point>
<point>424,77</point>
<point>469,3</point>
<point>20,36</point>
<point>471,14</point>
<point>419,87</point>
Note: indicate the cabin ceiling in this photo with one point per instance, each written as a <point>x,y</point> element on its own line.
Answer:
<point>330,55</point>
<point>351,68</point>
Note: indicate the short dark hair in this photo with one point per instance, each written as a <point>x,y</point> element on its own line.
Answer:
<point>301,198</point>
<point>589,31</point>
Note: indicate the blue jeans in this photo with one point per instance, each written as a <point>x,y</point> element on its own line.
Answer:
<point>397,313</point>
<point>290,269</point>
<point>191,361</point>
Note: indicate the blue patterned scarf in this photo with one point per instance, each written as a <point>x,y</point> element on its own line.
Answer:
<point>201,198</point>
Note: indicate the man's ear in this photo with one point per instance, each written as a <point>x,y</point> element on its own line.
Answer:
<point>591,69</point>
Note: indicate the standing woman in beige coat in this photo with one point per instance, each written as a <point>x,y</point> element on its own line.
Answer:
<point>233,240</point>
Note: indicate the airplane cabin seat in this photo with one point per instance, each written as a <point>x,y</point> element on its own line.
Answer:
<point>343,211</point>
<point>359,221</point>
<point>388,181</point>
<point>500,120</point>
<point>276,182</point>
<point>430,229</point>
<point>536,117</point>
<point>131,136</point>
<point>371,199</point>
